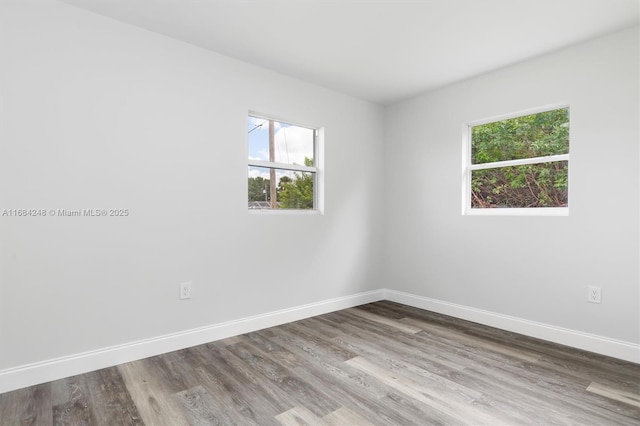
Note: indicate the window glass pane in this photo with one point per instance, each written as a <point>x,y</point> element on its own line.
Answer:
<point>531,185</point>
<point>293,190</point>
<point>291,144</point>
<point>535,135</point>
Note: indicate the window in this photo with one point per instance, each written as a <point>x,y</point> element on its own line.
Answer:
<point>282,162</point>
<point>518,165</point>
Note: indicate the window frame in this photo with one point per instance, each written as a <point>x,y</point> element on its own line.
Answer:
<point>468,168</point>
<point>315,170</point>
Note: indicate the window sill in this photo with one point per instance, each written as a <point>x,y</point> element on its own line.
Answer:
<point>534,211</point>
<point>270,212</point>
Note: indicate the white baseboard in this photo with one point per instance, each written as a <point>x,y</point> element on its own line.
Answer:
<point>42,372</point>
<point>602,345</point>
<point>54,369</point>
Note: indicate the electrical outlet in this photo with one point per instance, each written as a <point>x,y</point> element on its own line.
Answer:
<point>594,294</point>
<point>185,290</point>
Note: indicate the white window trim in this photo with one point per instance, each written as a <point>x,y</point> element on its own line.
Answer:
<point>318,170</point>
<point>283,166</point>
<point>467,168</point>
<point>303,212</point>
<point>520,162</point>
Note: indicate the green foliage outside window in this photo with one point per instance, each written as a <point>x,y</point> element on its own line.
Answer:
<point>530,185</point>
<point>297,193</point>
<point>292,192</point>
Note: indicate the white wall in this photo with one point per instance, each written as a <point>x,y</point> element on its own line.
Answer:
<point>533,268</point>
<point>99,114</point>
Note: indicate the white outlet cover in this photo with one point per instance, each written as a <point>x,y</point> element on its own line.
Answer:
<point>185,290</point>
<point>594,294</point>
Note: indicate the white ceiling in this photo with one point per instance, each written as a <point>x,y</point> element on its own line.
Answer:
<point>378,50</point>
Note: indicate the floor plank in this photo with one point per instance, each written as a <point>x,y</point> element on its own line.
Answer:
<point>149,391</point>
<point>201,408</point>
<point>299,415</point>
<point>344,416</point>
<point>377,364</point>
<point>616,394</point>
<point>28,406</point>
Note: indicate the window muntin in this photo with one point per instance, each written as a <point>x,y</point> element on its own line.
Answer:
<point>286,155</point>
<point>518,163</point>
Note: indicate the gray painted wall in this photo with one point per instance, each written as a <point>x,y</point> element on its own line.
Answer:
<point>99,114</point>
<point>535,268</point>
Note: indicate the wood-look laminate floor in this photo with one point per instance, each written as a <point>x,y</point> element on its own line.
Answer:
<point>377,364</point>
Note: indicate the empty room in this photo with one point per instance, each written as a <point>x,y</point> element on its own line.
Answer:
<point>354,212</point>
